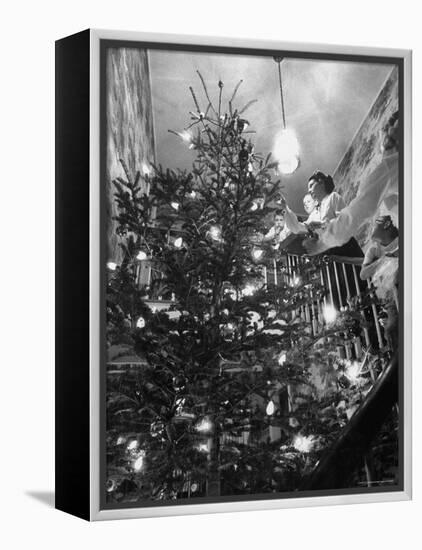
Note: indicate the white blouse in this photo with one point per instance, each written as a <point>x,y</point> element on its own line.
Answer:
<point>380,191</point>
<point>327,210</point>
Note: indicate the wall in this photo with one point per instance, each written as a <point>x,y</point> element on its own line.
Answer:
<point>130,128</point>
<point>364,154</point>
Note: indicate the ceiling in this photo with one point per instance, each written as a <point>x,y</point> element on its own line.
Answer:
<point>325,103</point>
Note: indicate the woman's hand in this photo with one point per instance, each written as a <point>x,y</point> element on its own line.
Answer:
<point>313,247</point>
<point>314,225</point>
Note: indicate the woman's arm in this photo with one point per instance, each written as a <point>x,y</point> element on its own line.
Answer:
<point>293,224</point>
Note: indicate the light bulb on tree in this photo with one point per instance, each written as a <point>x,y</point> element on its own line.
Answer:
<point>303,443</point>
<point>112,266</point>
<point>205,425</point>
<point>353,371</point>
<point>139,462</point>
<point>215,232</point>
<point>248,290</point>
<point>270,410</point>
<point>282,359</point>
<point>142,255</point>
<point>329,312</point>
<point>178,243</point>
<point>286,151</point>
<point>146,170</point>
<point>140,323</point>
<point>257,254</point>
<point>186,137</point>
<point>175,205</point>
<point>203,447</point>
<point>132,445</point>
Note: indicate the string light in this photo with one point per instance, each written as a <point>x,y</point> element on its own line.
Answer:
<point>175,205</point>
<point>142,255</point>
<point>215,232</point>
<point>178,243</point>
<point>329,313</point>
<point>139,462</point>
<point>112,266</point>
<point>146,169</point>
<point>248,290</point>
<point>140,323</point>
<point>282,359</point>
<point>296,280</point>
<point>132,445</point>
<point>205,425</point>
<point>257,253</point>
<point>270,410</point>
<point>353,371</point>
<point>303,443</point>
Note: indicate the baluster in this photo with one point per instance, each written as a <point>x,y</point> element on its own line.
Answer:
<point>358,293</point>
<point>329,284</point>
<point>341,304</point>
<point>365,330</point>
<point>375,315</point>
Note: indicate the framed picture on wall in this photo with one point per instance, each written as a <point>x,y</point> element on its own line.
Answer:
<point>233,274</point>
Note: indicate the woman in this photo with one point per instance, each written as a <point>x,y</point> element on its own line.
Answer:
<point>380,191</point>
<point>329,204</point>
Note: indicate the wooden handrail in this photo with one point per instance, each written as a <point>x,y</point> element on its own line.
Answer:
<point>338,464</point>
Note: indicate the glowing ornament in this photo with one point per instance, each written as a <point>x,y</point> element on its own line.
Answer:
<point>132,445</point>
<point>353,371</point>
<point>140,323</point>
<point>282,359</point>
<point>203,447</point>
<point>178,243</point>
<point>192,194</point>
<point>270,410</point>
<point>139,462</point>
<point>186,137</point>
<point>141,255</point>
<point>286,151</point>
<point>248,290</point>
<point>205,425</point>
<point>303,443</point>
<point>329,313</point>
<point>215,232</point>
<point>175,205</point>
<point>112,266</point>
<point>296,280</point>
<point>257,253</point>
<point>146,170</point>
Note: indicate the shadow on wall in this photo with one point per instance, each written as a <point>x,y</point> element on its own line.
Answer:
<point>363,154</point>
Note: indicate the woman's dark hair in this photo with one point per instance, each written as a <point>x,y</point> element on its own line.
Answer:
<point>327,180</point>
<point>390,132</point>
<point>278,212</point>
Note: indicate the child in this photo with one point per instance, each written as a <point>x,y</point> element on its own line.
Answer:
<point>278,232</point>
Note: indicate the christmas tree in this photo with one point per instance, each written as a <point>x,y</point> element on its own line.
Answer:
<point>216,393</point>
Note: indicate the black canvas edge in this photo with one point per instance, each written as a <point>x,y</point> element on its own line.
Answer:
<point>72,383</point>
